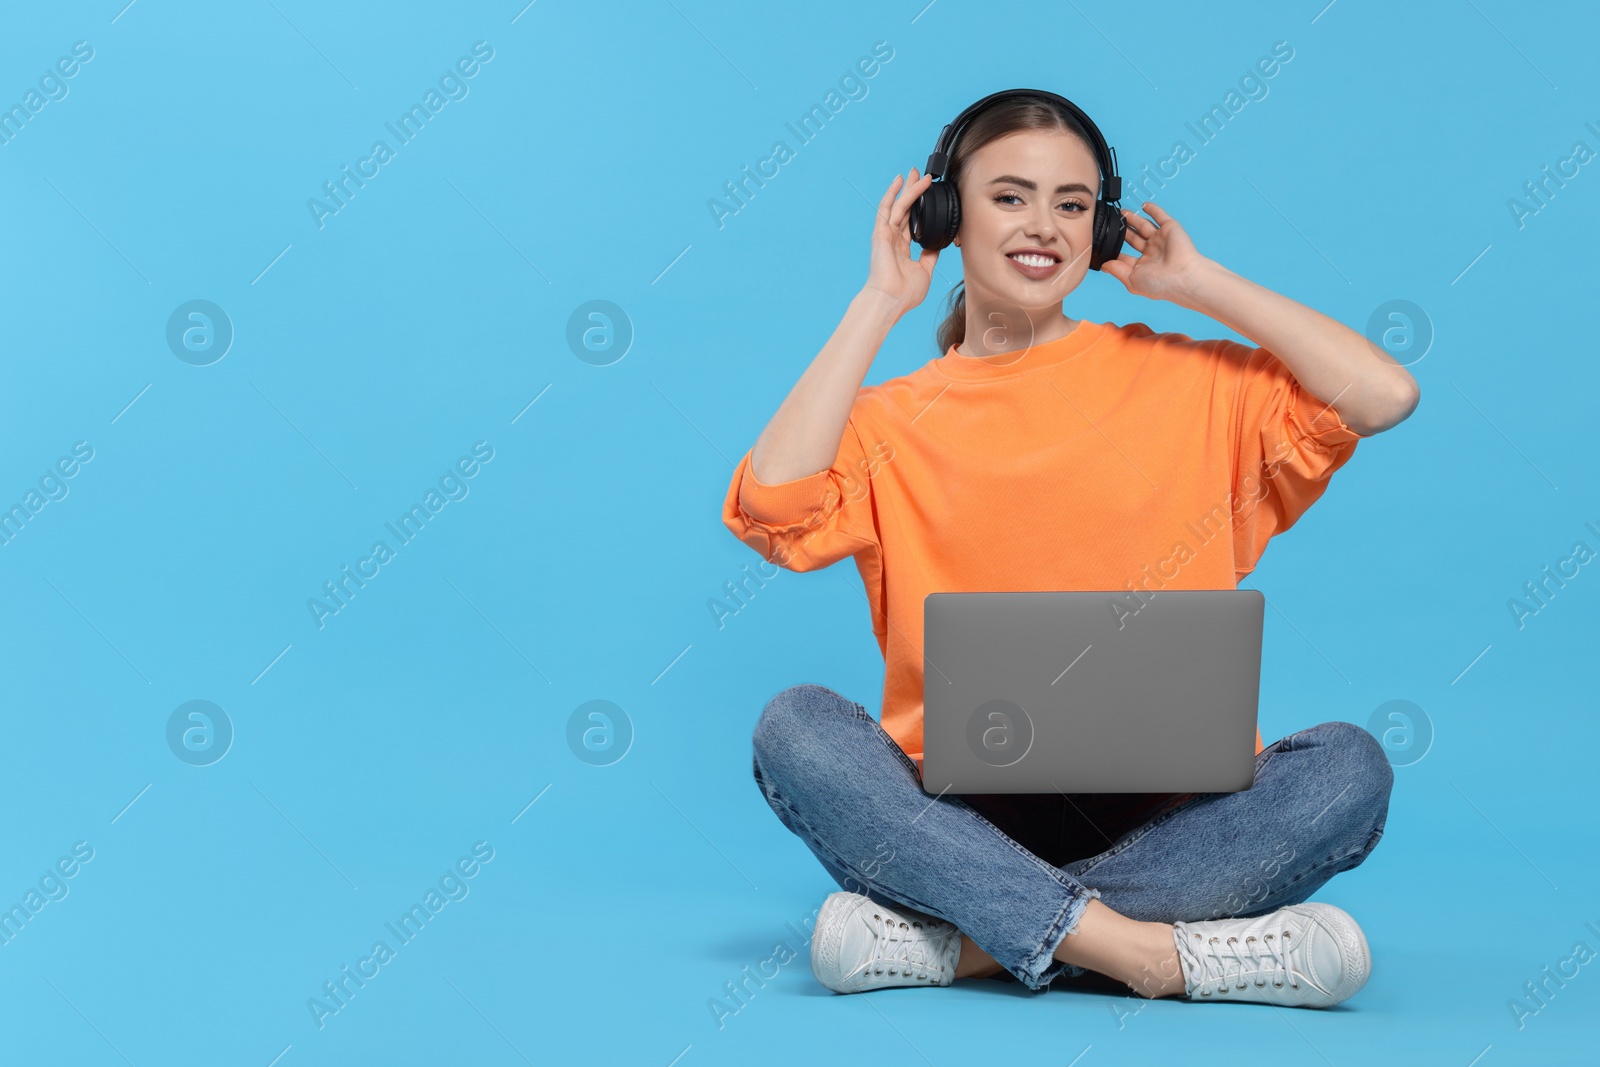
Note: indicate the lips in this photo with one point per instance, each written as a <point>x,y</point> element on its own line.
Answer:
<point>1035,264</point>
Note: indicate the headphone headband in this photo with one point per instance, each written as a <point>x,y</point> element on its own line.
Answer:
<point>1105,155</point>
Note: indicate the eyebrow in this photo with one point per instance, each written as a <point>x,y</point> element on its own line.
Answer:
<point>1012,179</point>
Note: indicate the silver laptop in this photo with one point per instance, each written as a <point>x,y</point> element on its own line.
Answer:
<point>1091,692</point>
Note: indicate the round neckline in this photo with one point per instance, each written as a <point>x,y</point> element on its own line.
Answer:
<point>956,367</point>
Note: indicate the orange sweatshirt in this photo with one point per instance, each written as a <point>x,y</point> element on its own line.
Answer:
<point>1112,458</point>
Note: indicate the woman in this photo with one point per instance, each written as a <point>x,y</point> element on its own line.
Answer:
<point>1045,452</point>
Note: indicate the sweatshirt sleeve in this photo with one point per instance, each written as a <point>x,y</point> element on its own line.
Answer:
<point>1286,445</point>
<point>811,522</point>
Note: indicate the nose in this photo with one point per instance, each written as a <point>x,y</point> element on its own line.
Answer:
<point>1041,224</point>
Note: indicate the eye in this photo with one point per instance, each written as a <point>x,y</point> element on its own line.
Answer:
<point>1074,206</point>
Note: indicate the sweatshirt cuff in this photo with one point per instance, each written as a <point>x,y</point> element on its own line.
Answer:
<point>1317,422</point>
<point>790,503</point>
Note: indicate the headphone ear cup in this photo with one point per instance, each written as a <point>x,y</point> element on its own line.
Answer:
<point>1110,233</point>
<point>935,216</point>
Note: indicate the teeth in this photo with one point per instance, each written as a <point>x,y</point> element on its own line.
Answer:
<point>1034,261</point>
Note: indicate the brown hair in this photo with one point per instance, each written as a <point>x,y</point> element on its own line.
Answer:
<point>1009,117</point>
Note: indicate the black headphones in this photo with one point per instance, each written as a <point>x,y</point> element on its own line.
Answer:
<point>936,214</point>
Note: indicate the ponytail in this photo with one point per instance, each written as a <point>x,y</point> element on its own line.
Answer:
<point>953,330</point>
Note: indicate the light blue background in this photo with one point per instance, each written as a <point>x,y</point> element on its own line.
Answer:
<point>428,313</point>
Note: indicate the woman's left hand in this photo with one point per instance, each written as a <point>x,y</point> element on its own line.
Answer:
<point>1167,259</point>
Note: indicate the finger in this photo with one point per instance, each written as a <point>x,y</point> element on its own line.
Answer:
<point>907,191</point>
<point>1136,224</point>
<point>894,188</point>
<point>909,195</point>
<point>1153,209</point>
<point>1124,264</point>
<point>1121,269</point>
<point>888,198</point>
<point>913,187</point>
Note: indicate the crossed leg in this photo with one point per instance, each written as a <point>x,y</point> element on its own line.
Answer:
<point>842,785</point>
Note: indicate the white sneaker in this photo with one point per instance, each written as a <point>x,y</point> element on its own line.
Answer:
<point>858,944</point>
<point>1302,956</point>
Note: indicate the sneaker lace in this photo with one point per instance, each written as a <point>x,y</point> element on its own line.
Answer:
<point>1227,962</point>
<point>905,948</point>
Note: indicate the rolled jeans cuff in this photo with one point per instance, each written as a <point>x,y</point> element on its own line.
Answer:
<point>1038,970</point>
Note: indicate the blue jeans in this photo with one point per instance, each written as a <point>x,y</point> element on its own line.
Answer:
<point>842,785</point>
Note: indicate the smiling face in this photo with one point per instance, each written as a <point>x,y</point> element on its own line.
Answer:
<point>1027,218</point>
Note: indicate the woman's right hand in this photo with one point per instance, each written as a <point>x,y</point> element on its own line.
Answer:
<point>894,274</point>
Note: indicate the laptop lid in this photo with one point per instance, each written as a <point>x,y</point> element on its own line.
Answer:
<point>1091,692</point>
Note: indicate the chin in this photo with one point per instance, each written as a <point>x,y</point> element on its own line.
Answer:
<point>1024,297</point>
